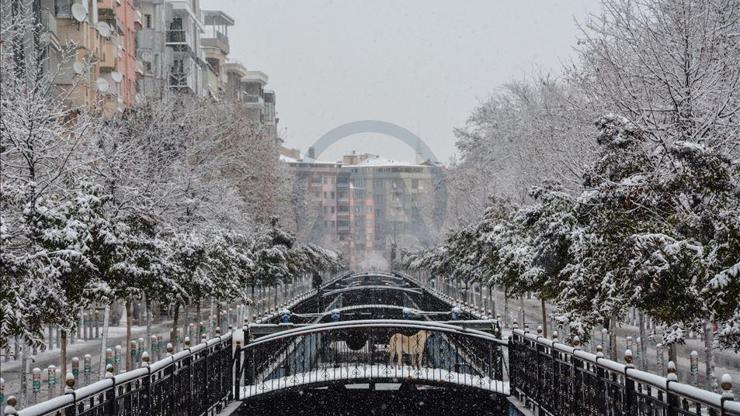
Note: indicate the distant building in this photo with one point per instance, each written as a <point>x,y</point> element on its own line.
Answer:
<point>365,202</point>
<point>150,49</point>
<point>185,57</point>
<point>215,46</point>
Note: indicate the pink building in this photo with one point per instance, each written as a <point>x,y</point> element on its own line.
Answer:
<point>119,65</point>
<point>129,21</point>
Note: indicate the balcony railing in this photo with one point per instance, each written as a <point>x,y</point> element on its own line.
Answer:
<point>252,99</point>
<point>176,36</point>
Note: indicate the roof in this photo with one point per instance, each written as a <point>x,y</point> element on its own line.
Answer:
<point>217,17</point>
<point>258,76</point>
<point>381,162</point>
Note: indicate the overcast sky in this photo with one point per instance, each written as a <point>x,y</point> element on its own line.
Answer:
<point>422,64</point>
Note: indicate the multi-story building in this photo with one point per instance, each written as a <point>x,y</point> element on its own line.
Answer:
<point>185,57</point>
<point>215,46</point>
<point>66,25</point>
<point>118,64</point>
<point>150,48</point>
<point>366,202</point>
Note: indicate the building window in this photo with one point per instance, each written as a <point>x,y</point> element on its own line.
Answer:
<point>148,21</point>
<point>332,210</point>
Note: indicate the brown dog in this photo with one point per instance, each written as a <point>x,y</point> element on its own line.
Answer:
<point>400,344</point>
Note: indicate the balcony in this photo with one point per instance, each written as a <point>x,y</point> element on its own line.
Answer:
<point>49,21</point>
<point>220,42</point>
<point>177,37</point>
<point>150,39</point>
<point>253,100</point>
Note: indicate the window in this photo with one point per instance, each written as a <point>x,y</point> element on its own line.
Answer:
<point>332,210</point>
<point>148,21</point>
<point>414,184</point>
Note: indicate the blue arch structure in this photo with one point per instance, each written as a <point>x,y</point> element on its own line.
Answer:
<point>373,126</point>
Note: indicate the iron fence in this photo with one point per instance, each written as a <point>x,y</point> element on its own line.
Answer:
<point>195,381</point>
<point>369,351</point>
<point>560,380</point>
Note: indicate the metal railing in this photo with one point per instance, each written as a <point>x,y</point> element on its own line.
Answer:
<point>557,379</point>
<point>195,381</point>
<point>370,351</point>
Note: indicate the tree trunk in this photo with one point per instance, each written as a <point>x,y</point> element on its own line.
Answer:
<point>148,306</point>
<point>63,353</point>
<point>104,340</point>
<point>613,338</point>
<point>643,342</point>
<point>129,320</point>
<point>709,383</point>
<point>175,317</point>
<point>544,317</point>
<point>491,301</point>
<point>521,310</point>
<point>197,324</point>
<point>506,307</point>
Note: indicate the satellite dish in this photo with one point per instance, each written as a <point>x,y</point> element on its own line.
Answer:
<point>146,56</point>
<point>78,68</point>
<point>102,85</point>
<point>79,12</point>
<point>116,76</point>
<point>103,29</point>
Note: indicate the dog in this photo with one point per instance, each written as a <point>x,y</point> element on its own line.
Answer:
<point>400,344</point>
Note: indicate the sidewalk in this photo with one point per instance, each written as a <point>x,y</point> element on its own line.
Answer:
<point>11,371</point>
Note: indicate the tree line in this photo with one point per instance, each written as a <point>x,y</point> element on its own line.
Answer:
<point>172,202</point>
<point>614,185</point>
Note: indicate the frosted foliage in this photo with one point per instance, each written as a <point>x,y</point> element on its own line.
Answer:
<point>172,199</point>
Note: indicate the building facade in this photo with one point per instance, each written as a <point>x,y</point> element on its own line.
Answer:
<point>365,204</point>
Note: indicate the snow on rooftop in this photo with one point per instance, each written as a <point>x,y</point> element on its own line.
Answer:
<point>381,161</point>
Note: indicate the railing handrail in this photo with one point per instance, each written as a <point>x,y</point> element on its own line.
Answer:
<point>696,394</point>
<point>85,392</point>
<point>371,287</point>
<point>375,323</point>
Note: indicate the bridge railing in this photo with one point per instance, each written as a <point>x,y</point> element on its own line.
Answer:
<point>559,380</point>
<point>195,381</point>
<point>366,351</point>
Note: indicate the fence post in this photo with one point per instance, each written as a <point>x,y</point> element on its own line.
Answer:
<point>694,368</point>
<point>237,370</point>
<point>36,384</point>
<point>51,379</point>
<point>672,399</point>
<point>9,410</point>
<point>117,355</point>
<point>727,395</point>
<point>87,368</point>
<point>76,368</point>
<point>147,382</point>
<point>629,384</point>
<point>2,396</point>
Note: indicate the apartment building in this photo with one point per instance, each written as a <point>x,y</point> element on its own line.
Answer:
<point>366,202</point>
<point>151,51</point>
<point>130,50</point>
<point>215,46</point>
<point>183,40</point>
<point>66,25</point>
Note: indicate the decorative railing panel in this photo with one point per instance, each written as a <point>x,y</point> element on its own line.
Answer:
<point>559,380</point>
<point>366,351</point>
<point>195,381</point>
